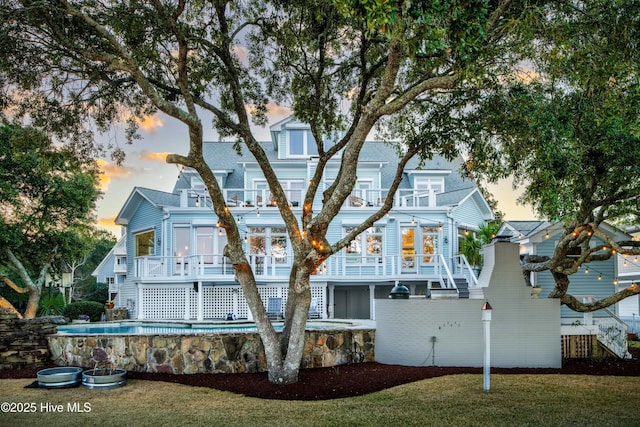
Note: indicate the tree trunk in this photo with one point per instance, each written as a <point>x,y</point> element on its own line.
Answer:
<point>32,305</point>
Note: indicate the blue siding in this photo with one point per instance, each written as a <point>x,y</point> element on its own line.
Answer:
<point>147,217</point>
<point>581,283</point>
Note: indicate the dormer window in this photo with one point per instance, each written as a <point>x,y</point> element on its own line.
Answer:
<point>197,185</point>
<point>427,184</point>
<point>301,143</point>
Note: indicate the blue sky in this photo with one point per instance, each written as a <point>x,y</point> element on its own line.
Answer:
<point>145,167</point>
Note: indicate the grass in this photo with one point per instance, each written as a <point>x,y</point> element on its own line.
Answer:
<point>514,400</point>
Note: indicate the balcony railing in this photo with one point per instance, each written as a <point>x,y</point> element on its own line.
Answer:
<point>359,198</point>
<point>337,267</point>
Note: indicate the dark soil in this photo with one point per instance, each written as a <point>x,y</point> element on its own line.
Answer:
<point>354,380</point>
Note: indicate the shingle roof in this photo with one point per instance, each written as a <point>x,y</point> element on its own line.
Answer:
<point>159,198</point>
<point>526,228</point>
<point>222,155</point>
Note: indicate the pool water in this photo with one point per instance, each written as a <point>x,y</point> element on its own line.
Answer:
<point>134,328</point>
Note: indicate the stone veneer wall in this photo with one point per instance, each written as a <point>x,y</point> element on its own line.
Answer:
<point>220,353</point>
<point>24,341</point>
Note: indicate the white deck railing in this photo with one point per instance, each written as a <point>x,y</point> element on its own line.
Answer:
<point>359,198</point>
<point>391,267</point>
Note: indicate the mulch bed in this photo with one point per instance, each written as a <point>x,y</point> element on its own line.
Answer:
<point>354,380</point>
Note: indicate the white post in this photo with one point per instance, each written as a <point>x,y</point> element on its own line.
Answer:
<point>140,302</point>
<point>332,289</point>
<point>200,301</point>
<point>372,301</point>
<point>486,324</point>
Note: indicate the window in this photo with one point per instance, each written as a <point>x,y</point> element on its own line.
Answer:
<point>429,243</point>
<point>269,240</point>
<point>302,143</point>
<point>210,243</point>
<point>366,247</point>
<point>429,184</point>
<point>198,185</point>
<point>145,243</point>
<point>293,189</point>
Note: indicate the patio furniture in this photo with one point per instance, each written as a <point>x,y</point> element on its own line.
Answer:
<point>274,308</point>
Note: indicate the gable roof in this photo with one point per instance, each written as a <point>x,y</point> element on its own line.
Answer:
<point>521,229</point>
<point>157,198</point>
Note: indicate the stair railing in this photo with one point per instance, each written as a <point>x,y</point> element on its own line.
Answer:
<point>612,333</point>
<point>443,263</point>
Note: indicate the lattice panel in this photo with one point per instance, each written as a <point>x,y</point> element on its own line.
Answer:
<point>164,303</point>
<point>193,301</point>
<point>319,292</point>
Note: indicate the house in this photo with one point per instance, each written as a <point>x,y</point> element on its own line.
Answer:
<point>174,263</point>
<point>594,281</point>
<point>112,270</point>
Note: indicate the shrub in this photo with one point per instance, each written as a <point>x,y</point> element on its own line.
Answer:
<point>93,309</point>
<point>51,305</point>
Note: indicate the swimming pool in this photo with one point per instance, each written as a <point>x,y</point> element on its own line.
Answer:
<point>143,328</point>
<point>205,347</point>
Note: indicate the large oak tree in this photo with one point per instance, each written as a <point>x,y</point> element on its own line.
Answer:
<point>343,67</point>
<point>567,128</point>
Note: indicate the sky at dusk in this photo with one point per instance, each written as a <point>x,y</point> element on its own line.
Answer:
<point>145,166</point>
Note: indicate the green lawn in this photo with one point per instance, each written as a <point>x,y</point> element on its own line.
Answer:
<point>457,400</point>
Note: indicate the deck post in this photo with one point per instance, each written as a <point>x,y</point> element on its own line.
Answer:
<point>372,299</point>
<point>140,302</point>
<point>200,301</point>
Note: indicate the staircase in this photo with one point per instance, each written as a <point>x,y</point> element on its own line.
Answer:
<point>612,335</point>
<point>459,290</point>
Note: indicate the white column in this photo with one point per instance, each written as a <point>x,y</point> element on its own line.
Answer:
<point>200,301</point>
<point>372,304</point>
<point>331,307</point>
<point>140,302</point>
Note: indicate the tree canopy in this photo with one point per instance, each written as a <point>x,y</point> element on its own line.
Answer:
<point>344,67</point>
<point>569,132</point>
<point>47,198</point>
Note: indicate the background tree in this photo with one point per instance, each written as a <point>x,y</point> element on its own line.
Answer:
<point>85,286</point>
<point>569,132</point>
<point>343,69</point>
<point>47,196</point>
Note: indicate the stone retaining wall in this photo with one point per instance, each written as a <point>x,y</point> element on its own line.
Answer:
<point>208,353</point>
<point>24,341</point>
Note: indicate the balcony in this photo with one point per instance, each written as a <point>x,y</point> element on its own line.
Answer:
<point>359,198</point>
<point>342,268</point>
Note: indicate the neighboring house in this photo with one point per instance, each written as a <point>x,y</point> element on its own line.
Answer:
<point>112,270</point>
<point>628,273</point>
<point>175,268</point>
<point>593,281</point>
